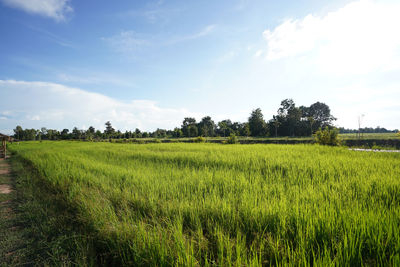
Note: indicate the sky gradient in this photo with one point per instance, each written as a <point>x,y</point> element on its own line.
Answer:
<point>148,64</point>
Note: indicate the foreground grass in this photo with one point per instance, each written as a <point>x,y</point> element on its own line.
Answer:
<point>210,204</point>
<point>37,228</point>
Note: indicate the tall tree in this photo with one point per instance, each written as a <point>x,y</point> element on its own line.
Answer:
<point>257,125</point>
<point>64,134</point>
<point>321,113</point>
<point>207,126</point>
<point>188,126</point>
<point>109,131</point>
<point>290,116</point>
<point>19,133</point>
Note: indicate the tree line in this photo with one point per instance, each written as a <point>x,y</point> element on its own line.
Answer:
<point>290,120</point>
<point>367,130</point>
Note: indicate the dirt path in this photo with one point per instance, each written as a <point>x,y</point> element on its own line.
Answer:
<point>11,236</point>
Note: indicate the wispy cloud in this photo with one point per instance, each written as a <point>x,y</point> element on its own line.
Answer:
<point>154,15</point>
<point>55,9</point>
<point>126,41</point>
<point>56,106</point>
<point>131,41</point>
<point>82,76</point>
<point>202,33</point>
<point>51,36</point>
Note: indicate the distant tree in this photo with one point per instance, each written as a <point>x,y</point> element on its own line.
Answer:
<point>257,124</point>
<point>43,133</point>
<point>138,133</point>
<point>19,133</point>
<point>91,130</point>
<point>193,131</point>
<point>109,131</point>
<point>290,114</point>
<point>224,127</point>
<point>321,114</point>
<point>64,134</point>
<point>243,129</point>
<point>159,133</point>
<point>98,134</point>
<point>206,126</point>
<point>275,122</point>
<point>187,124</point>
<point>76,133</point>
<point>52,134</point>
<point>177,133</point>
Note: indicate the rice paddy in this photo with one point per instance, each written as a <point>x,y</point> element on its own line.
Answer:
<point>212,204</point>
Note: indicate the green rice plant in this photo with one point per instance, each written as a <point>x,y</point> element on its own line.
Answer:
<point>207,204</point>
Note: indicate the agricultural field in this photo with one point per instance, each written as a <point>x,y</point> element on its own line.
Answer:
<point>370,136</point>
<point>213,204</point>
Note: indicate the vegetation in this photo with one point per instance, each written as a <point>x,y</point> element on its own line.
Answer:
<point>290,121</point>
<point>327,136</point>
<point>232,139</point>
<point>208,204</point>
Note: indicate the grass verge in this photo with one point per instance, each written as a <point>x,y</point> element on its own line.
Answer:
<point>36,226</point>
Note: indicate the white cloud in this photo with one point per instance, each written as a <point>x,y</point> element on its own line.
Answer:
<point>380,106</point>
<point>56,9</point>
<point>57,106</point>
<point>359,38</point>
<point>259,53</point>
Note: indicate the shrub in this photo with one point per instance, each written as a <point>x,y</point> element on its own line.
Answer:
<point>232,139</point>
<point>327,136</point>
<point>155,140</point>
<point>199,139</point>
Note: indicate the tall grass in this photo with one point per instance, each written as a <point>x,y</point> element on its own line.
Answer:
<point>210,204</point>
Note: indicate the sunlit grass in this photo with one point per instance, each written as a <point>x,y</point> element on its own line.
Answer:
<point>212,204</point>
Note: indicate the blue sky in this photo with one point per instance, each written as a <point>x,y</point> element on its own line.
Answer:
<point>148,64</point>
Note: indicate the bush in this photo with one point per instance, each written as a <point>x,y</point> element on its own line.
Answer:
<point>155,140</point>
<point>199,139</point>
<point>232,139</point>
<point>327,136</point>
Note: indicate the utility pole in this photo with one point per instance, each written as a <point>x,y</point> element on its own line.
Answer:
<point>360,117</point>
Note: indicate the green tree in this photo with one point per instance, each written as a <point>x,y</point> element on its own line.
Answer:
<point>64,134</point>
<point>177,132</point>
<point>187,124</point>
<point>109,131</point>
<point>19,133</point>
<point>138,133</point>
<point>76,133</point>
<point>321,114</point>
<point>206,126</point>
<point>224,127</point>
<point>257,124</point>
<point>193,131</point>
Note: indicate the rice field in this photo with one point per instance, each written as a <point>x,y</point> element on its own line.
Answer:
<point>211,204</point>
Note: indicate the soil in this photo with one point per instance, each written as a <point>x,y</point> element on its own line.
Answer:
<point>5,189</point>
